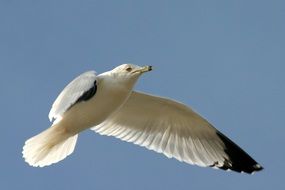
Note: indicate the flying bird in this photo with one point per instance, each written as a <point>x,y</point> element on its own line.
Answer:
<point>108,105</point>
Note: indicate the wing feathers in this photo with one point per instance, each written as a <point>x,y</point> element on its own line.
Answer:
<point>175,130</point>
<point>81,88</point>
<point>238,160</point>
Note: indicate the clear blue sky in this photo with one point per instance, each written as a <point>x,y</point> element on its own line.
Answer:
<point>224,58</point>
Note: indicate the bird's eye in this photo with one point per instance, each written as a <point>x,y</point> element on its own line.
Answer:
<point>129,69</point>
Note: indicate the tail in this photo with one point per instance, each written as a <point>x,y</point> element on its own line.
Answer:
<point>48,147</point>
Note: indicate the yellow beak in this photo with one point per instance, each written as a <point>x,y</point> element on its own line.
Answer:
<point>143,69</point>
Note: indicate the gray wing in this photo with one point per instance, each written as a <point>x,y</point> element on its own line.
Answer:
<point>175,130</point>
<point>81,88</point>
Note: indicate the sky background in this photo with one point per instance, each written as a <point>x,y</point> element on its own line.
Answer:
<point>224,58</point>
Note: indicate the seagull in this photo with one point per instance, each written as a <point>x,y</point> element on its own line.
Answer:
<point>108,105</point>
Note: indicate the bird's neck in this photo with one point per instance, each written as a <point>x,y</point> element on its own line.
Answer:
<point>116,83</point>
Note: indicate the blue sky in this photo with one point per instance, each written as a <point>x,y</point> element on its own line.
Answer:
<point>224,58</point>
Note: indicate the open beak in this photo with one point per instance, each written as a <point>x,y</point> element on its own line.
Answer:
<point>143,69</point>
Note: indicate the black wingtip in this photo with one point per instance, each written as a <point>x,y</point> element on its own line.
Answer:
<point>88,94</point>
<point>238,160</point>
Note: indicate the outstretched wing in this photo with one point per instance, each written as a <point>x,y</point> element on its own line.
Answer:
<point>81,88</point>
<point>175,130</point>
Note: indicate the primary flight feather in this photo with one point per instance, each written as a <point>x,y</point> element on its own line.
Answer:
<point>107,104</point>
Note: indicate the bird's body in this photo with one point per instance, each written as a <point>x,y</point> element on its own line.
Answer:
<point>86,115</point>
<point>108,105</point>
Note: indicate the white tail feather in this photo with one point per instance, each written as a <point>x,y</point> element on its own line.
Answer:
<point>48,147</point>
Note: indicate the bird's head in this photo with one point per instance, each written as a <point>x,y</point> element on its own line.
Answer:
<point>129,73</point>
<point>130,70</point>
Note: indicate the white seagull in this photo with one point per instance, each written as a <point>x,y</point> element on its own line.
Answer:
<point>107,104</point>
